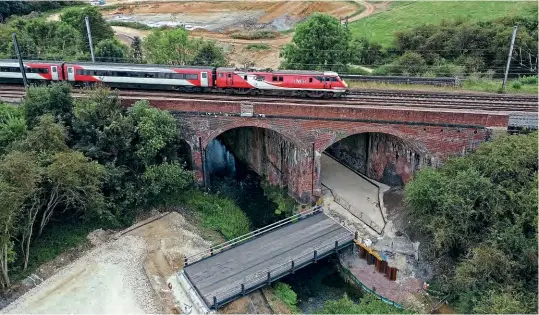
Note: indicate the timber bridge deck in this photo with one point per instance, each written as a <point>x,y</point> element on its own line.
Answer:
<point>230,270</point>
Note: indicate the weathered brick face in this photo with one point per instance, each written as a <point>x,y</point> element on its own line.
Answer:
<point>288,151</point>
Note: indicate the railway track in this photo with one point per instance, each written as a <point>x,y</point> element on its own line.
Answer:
<point>409,99</point>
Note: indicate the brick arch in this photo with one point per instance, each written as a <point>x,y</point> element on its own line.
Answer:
<point>258,124</point>
<point>409,140</point>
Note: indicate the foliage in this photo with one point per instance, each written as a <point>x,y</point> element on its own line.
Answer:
<point>101,30</point>
<point>285,293</point>
<point>481,212</point>
<point>111,50</point>
<point>166,183</point>
<point>217,213</point>
<point>251,35</point>
<point>12,125</point>
<point>400,16</point>
<point>173,46</point>
<point>39,38</point>
<point>89,160</point>
<point>136,49</point>
<point>131,24</point>
<point>54,99</point>
<point>368,304</point>
<point>257,47</point>
<point>319,43</point>
<point>9,8</point>
<point>285,204</point>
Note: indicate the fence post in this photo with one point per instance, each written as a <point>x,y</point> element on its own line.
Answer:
<point>315,256</point>
<point>185,262</point>
<point>336,246</point>
<point>293,267</point>
<point>243,289</point>
<point>269,278</point>
<point>215,303</point>
<point>211,251</point>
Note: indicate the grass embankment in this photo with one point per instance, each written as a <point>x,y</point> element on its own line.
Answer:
<point>527,85</point>
<point>217,213</point>
<point>402,15</point>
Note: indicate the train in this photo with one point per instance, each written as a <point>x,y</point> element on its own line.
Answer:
<point>194,79</point>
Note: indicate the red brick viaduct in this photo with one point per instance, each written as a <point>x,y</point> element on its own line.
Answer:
<point>395,141</point>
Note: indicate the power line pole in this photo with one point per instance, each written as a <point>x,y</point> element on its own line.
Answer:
<point>21,64</point>
<point>509,56</point>
<point>89,37</point>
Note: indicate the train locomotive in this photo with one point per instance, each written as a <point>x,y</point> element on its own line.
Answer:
<point>180,78</point>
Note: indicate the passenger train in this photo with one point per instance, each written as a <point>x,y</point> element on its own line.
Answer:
<point>181,78</point>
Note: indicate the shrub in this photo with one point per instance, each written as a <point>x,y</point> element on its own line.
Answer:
<point>257,47</point>
<point>532,79</point>
<point>254,35</point>
<point>516,85</point>
<point>285,293</point>
<point>218,213</point>
<point>135,25</point>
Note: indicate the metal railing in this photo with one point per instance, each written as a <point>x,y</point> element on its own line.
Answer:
<point>270,274</point>
<point>249,236</point>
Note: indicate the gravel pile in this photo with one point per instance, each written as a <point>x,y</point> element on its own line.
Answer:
<point>109,279</point>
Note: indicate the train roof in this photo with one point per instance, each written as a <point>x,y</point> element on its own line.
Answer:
<point>16,61</point>
<point>301,72</point>
<point>111,64</point>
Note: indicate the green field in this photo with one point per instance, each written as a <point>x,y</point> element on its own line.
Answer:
<point>402,15</point>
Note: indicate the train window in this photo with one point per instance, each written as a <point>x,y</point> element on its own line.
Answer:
<point>260,78</point>
<point>230,75</point>
<point>70,70</point>
<point>274,78</point>
<point>310,80</point>
<point>191,76</point>
<point>245,77</point>
<point>204,75</point>
<point>281,79</point>
<point>54,69</point>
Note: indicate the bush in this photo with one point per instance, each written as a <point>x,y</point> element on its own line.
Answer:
<point>257,47</point>
<point>516,85</point>
<point>254,35</point>
<point>218,213</point>
<point>136,25</point>
<point>532,79</point>
<point>285,293</point>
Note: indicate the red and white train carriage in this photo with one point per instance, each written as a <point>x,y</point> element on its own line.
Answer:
<point>182,78</point>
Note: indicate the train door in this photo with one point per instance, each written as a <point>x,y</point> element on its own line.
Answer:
<point>229,79</point>
<point>54,73</point>
<point>203,79</point>
<point>70,74</point>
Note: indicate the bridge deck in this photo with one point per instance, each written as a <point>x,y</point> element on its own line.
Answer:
<point>222,275</point>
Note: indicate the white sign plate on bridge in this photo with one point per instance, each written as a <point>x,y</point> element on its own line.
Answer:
<point>247,110</point>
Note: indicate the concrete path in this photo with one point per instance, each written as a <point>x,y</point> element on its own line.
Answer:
<point>361,194</point>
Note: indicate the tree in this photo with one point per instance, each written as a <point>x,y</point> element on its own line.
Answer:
<point>111,50</point>
<point>73,182</point>
<point>54,99</point>
<point>165,183</point>
<point>21,172</point>
<point>168,46</point>
<point>209,54</point>
<point>136,49</point>
<point>411,63</point>
<point>173,46</point>
<point>481,213</point>
<point>101,30</point>
<point>157,133</point>
<point>320,43</point>
<point>12,125</point>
